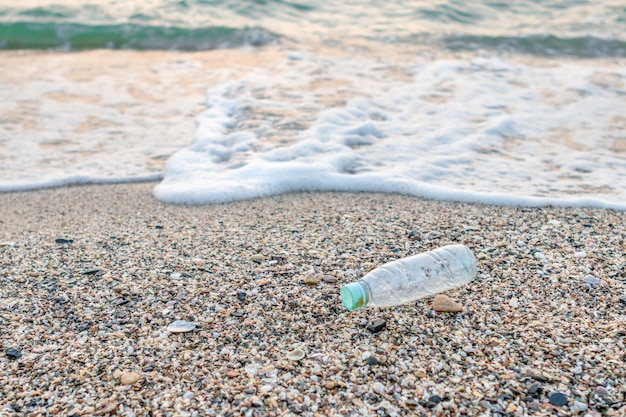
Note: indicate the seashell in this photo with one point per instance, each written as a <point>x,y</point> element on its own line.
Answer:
<point>311,280</point>
<point>296,355</point>
<point>443,303</point>
<point>181,326</point>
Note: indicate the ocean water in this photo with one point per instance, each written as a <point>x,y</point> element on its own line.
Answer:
<point>479,101</point>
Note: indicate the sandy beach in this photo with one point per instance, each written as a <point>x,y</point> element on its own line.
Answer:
<point>91,277</point>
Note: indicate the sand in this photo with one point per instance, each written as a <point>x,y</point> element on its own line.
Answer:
<point>84,321</point>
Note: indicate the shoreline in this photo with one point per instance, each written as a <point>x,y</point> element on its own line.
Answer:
<point>532,324</point>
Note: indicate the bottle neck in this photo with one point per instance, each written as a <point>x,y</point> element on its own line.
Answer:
<point>355,295</point>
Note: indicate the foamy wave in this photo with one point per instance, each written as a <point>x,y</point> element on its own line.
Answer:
<point>487,131</point>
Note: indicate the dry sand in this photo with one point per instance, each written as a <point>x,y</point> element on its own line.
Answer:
<point>545,315</point>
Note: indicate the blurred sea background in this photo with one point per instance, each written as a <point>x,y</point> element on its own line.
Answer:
<point>478,101</point>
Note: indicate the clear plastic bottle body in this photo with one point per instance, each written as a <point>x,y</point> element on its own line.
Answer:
<point>406,280</point>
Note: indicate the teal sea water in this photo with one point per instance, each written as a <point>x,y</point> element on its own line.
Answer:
<point>550,27</point>
<point>480,101</point>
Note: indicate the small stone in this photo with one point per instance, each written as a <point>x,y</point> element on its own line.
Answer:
<point>258,257</point>
<point>106,407</point>
<point>443,303</point>
<point>378,387</point>
<point>534,405</point>
<point>188,395</point>
<point>469,350</point>
<point>434,399</point>
<point>181,326</point>
<point>591,280</point>
<point>593,413</point>
<point>262,282</point>
<point>329,384</point>
<point>410,403</point>
<point>535,390</point>
<point>431,314</point>
<point>414,235</point>
<point>376,325</point>
<point>241,296</point>
<point>296,355</point>
<point>13,353</point>
<point>62,241</point>
<point>421,373</point>
<point>129,378</point>
<point>311,279</point>
<point>371,361</point>
<point>557,398</point>
<point>580,254</point>
<point>330,279</point>
<point>601,391</point>
<point>579,406</point>
<point>514,302</point>
<point>232,374</point>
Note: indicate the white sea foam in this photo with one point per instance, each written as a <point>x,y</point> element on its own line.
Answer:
<point>69,119</point>
<point>488,130</point>
<point>485,130</point>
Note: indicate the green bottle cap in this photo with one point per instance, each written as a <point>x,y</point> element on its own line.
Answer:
<point>354,296</point>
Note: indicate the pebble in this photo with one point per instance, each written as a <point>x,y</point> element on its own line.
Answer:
<point>106,407</point>
<point>188,395</point>
<point>601,391</point>
<point>296,355</point>
<point>443,303</point>
<point>591,280</point>
<point>580,254</point>
<point>535,390</point>
<point>241,296</point>
<point>371,361</point>
<point>181,326</point>
<point>514,302</point>
<point>257,257</point>
<point>233,374</point>
<point>378,387</point>
<point>434,399</point>
<point>129,378</point>
<point>311,279</point>
<point>63,241</point>
<point>13,353</point>
<point>411,403</point>
<point>376,325</point>
<point>329,384</point>
<point>414,235</point>
<point>579,406</point>
<point>557,398</point>
<point>330,279</point>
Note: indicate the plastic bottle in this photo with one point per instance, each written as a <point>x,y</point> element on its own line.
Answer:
<point>406,280</point>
